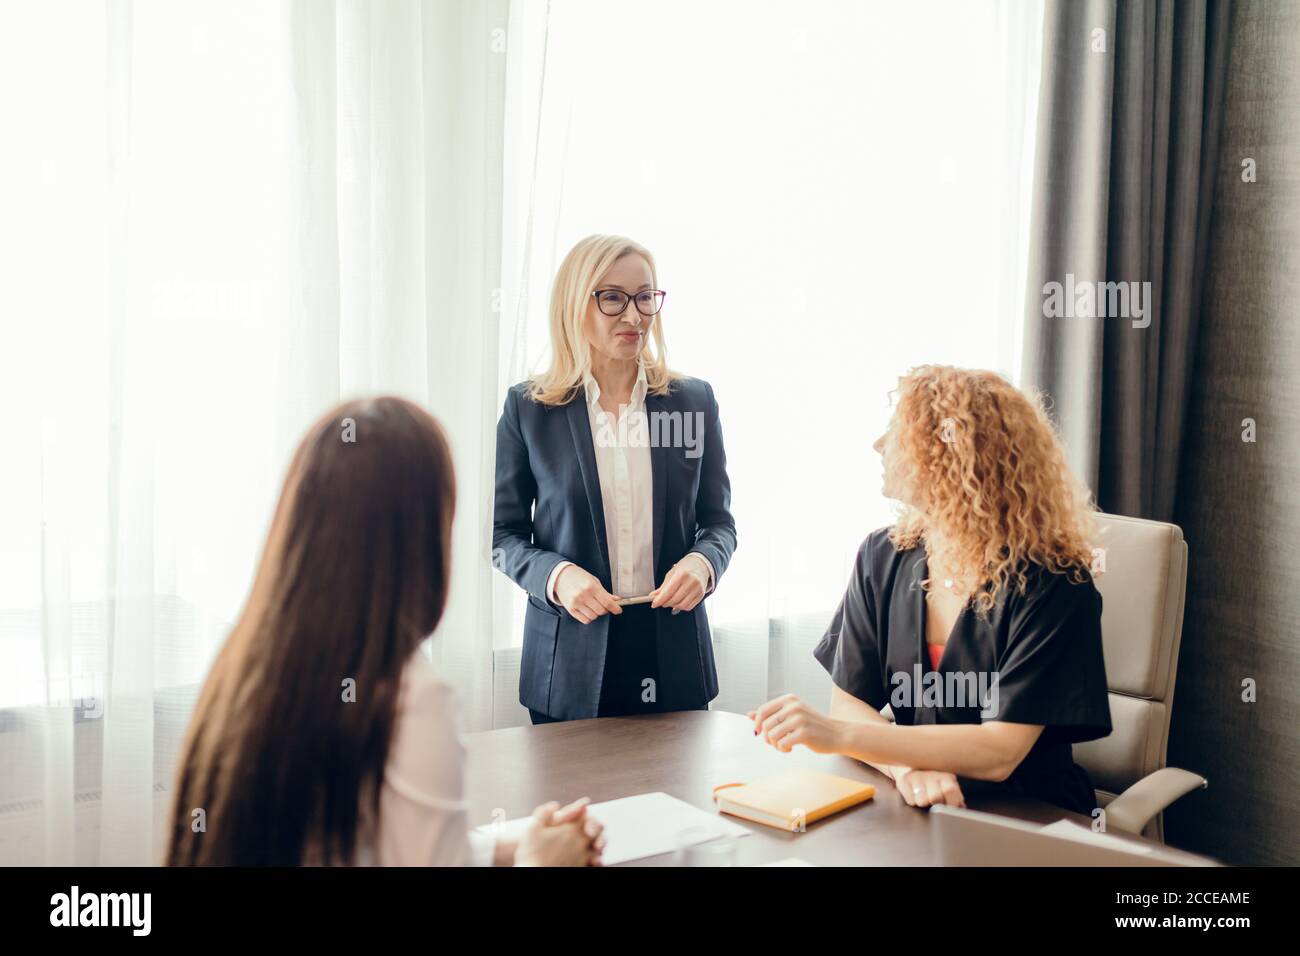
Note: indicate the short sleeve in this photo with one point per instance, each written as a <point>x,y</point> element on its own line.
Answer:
<point>1052,671</point>
<point>850,649</point>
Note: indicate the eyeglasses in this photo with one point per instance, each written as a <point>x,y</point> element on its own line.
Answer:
<point>614,301</point>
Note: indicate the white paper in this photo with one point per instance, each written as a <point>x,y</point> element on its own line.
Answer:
<point>788,861</point>
<point>1069,830</point>
<point>640,826</point>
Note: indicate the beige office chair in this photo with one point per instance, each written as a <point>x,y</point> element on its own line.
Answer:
<point>1142,586</point>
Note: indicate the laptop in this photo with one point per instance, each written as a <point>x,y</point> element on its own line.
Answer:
<point>964,837</point>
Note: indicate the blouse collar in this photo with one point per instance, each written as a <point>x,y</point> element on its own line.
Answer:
<point>639,389</point>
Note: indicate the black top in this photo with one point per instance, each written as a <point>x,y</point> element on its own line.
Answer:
<point>1035,658</point>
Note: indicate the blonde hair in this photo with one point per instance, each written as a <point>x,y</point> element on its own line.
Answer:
<point>582,269</point>
<point>982,469</point>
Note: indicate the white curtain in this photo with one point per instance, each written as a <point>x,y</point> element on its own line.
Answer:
<point>220,220</point>
<point>835,192</point>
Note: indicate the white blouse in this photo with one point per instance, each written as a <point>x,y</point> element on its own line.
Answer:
<point>623,466</point>
<point>622,446</point>
<point>423,817</point>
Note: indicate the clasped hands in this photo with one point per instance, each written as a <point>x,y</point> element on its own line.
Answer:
<point>586,599</point>
<point>557,836</point>
<point>786,721</point>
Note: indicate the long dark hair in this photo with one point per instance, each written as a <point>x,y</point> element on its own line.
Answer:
<point>353,578</point>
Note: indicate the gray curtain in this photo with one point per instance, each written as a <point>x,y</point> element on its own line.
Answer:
<point>1139,178</point>
<point>1130,106</point>
<point>1239,501</point>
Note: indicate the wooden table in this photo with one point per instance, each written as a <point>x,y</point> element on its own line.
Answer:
<point>686,755</point>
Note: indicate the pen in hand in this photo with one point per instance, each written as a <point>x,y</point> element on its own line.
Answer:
<point>643,599</point>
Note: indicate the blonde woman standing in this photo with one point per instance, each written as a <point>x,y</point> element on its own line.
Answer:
<point>611,483</point>
<point>981,585</point>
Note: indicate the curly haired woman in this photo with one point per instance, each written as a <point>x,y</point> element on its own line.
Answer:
<point>974,616</point>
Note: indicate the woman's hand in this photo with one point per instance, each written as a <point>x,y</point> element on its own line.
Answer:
<point>787,721</point>
<point>583,595</point>
<point>925,788</point>
<point>561,837</point>
<point>684,585</point>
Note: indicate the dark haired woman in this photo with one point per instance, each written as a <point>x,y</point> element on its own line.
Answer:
<point>323,735</point>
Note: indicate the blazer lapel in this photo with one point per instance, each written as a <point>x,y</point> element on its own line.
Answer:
<point>659,472</point>
<point>580,428</point>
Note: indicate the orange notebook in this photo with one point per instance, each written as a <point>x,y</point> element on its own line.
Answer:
<point>788,799</point>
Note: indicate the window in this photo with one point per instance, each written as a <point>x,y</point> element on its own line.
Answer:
<point>140,360</point>
<point>830,202</point>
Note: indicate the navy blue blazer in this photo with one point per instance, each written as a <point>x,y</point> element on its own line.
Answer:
<point>548,510</point>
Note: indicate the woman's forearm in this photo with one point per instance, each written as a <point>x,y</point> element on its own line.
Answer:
<point>890,770</point>
<point>963,749</point>
<point>849,708</point>
<point>529,566</point>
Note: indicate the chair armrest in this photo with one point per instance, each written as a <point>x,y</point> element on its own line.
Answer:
<point>1133,809</point>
